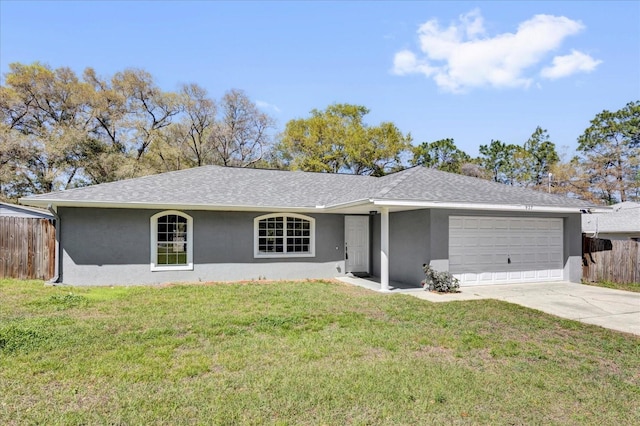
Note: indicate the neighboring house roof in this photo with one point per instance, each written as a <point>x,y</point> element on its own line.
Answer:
<point>624,218</point>
<point>240,188</point>
<point>15,210</point>
<point>626,205</point>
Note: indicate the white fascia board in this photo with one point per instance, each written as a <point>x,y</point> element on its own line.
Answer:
<point>22,207</point>
<point>28,209</point>
<point>476,206</point>
<point>45,203</point>
<point>164,206</point>
<point>346,205</point>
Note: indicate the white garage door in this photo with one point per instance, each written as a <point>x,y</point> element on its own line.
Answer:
<point>492,250</point>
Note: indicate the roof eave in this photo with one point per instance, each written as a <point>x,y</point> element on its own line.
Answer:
<point>335,208</point>
<point>35,210</point>
<point>165,206</point>
<point>349,204</point>
<point>477,206</point>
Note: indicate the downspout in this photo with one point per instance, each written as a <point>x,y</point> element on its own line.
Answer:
<point>56,270</point>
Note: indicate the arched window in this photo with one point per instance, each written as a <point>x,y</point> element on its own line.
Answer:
<point>171,241</point>
<point>284,235</point>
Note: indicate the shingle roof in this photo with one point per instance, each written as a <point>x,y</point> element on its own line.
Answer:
<point>217,186</point>
<point>425,184</point>
<point>623,219</point>
<point>626,205</point>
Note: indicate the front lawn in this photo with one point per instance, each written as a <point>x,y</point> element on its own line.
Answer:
<point>635,287</point>
<point>301,353</point>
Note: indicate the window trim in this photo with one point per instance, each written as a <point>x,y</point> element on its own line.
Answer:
<point>154,242</point>
<point>257,254</point>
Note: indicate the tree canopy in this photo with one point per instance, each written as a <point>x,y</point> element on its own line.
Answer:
<point>498,160</point>
<point>336,139</point>
<point>442,154</point>
<point>58,130</point>
<point>610,154</point>
<point>528,165</point>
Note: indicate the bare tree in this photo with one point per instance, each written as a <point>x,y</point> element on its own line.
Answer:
<point>241,136</point>
<point>200,115</point>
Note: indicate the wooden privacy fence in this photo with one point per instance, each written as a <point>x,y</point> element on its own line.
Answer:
<point>610,260</point>
<point>27,248</point>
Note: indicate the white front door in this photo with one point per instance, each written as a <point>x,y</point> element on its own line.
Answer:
<point>356,243</point>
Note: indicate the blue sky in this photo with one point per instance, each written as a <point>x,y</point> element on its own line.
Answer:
<point>471,71</point>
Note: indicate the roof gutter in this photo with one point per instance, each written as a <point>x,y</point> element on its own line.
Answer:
<point>308,209</point>
<point>56,269</point>
<point>345,205</point>
<point>476,206</point>
<point>163,206</point>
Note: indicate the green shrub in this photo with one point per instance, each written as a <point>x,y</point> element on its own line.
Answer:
<point>442,282</point>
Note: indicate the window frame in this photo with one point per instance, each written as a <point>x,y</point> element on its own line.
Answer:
<point>257,254</point>
<point>154,242</point>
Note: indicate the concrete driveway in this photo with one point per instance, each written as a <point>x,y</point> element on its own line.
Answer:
<point>615,309</point>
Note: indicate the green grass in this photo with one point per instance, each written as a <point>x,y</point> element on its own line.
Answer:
<point>635,287</point>
<point>301,353</point>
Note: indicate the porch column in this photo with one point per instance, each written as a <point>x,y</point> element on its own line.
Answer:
<point>384,249</point>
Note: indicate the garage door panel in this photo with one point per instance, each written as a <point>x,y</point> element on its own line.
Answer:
<point>485,223</point>
<point>456,240</point>
<point>486,276</point>
<point>485,243</point>
<point>455,222</point>
<point>515,240</point>
<point>470,276</point>
<point>480,249</point>
<point>515,276</point>
<point>556,274</point>
<point>543,273</point>
<point>542,240</point>
<point>500,276</point>
<point>516,259</point>
<point>542,258</point>
<point>457,260</point>
<point>556,254</point>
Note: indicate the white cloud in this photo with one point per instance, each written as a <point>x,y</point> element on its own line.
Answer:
<point>463,56</point>
<point>567,65</point>
<point>473,23</point>
<point>405,62</point>
<point>267,105</point>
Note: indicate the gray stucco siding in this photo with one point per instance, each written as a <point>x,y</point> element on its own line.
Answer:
<point>112,246</point>
<point>572,253</point>
<point>409,245</point>
<point>104,237</point>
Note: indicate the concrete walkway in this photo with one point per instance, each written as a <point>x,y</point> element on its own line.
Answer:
<point>614,309</point>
